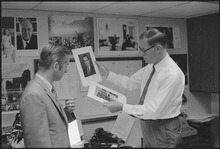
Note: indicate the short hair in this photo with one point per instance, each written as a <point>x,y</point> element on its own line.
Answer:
<point>154,36</point>
<point>52,53</point>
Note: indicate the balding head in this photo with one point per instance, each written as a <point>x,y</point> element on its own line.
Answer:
<point>26,28</point>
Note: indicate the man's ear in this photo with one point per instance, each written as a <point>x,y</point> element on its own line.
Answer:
<point>159,48</point>
<point>56,66</point>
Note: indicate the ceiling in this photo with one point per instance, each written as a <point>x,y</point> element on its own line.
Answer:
<point>170,9</point>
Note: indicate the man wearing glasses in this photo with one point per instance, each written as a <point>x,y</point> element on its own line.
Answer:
<point>162,85</point>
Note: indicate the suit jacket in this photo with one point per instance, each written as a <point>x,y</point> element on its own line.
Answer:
<point>44,123</point>
<point>31,45</point>
<point>92,71</point>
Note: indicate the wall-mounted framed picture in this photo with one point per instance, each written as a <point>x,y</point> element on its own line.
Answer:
<point>26,36</point>
<point>171,31</point>
<point>117,37</point>
<point>8,39</point>
<point>71,31</point>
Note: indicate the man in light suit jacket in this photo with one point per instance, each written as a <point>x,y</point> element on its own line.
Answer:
<point>44,121</point>
<point>27,40</point>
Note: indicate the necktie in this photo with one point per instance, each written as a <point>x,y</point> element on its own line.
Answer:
<point>88,70</point>
<point>26,44</point>
<point>146,87</point>
<point>55,94</point>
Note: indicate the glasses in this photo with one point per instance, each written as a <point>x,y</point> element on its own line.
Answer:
<point>145,50</point>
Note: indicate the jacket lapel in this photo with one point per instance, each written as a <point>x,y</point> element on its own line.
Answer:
<point>52,97</point>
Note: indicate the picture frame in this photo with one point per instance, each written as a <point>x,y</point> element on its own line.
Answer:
<point>85,62</point>
<point>117,37</point>
<point>29,47</point>
<point>71,31</point>
<point>8,47</point>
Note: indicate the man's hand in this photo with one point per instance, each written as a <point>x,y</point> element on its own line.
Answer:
<point>70,104</point>
<point>103,70</point>
<point>113,106</point>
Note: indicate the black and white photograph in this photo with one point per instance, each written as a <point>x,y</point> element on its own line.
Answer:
<point>8,39</point>
<point>117,36</point>
<point>133,74</point>
<point>85,62</point>
<point>71,31</point>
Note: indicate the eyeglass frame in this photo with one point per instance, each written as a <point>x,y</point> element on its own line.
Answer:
<point>141,48</point>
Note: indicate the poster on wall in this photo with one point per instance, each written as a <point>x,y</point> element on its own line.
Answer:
<point>8,40</point>
<point>171,31</point>
<point>71,31</point>
<point>117,37</point>
<point>26,36</point>
<point>15,77</point>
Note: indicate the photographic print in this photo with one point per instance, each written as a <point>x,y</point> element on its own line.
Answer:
<point>15,78</point>
<point>104,94</point>
<point>181,60</point>
<point>8,39</point>
<point>117,36</point>
<point>26,36</point>
<point>172,33</point>
<point>71,31</point>
<point>85,62</point>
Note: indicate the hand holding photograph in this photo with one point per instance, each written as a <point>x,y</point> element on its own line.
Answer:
<point>103,94</point>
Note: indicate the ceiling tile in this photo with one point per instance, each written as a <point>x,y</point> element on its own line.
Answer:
<point>186,10</point>
<point>20,5</point>
<point>136,8</point>
<point>72,6</point>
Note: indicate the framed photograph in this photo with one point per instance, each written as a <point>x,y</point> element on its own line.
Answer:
<point>8,39</point>
<point>104,94</point>
<point>181,60</point>
<point>117,37</point>
<point>171,31</point>
<point>15,77</point>
<point>71,31</point>
<point>26,36</point>
<point>85,62</point>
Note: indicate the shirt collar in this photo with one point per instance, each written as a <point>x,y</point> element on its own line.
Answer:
<point>162,63</point>
<point>45,81</point>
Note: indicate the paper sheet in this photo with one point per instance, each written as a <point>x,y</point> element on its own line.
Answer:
<point>73,131</point>
<point>103,94</point>
<point>123,125</point>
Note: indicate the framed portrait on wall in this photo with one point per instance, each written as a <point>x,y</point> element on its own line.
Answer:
<point>8,39</point>
<point>71,31</point>
<point>26,36</point>
<point>85,62</point>
<point>171,31</point>
<point>117,36</point>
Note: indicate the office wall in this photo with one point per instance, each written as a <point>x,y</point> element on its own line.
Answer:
<point>197,102</point>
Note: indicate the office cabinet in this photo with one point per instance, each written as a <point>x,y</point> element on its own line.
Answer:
<point>203,53</point>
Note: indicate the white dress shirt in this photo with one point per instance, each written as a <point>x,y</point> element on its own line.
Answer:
<point>163,99</point>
